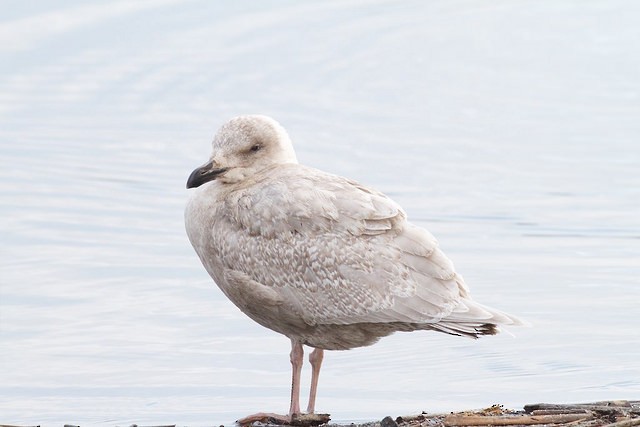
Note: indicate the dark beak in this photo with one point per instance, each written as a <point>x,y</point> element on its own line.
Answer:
<point>204,173</point>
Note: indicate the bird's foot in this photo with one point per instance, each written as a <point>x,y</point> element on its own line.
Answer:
<point>303,420</point>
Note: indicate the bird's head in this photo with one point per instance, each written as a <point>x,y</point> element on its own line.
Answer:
<point>242,147</point>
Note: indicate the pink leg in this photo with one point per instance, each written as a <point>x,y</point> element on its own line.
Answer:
<point>296,356</point>
<point>315,358</point>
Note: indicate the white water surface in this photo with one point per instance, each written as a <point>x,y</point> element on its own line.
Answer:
<point>511,130</point>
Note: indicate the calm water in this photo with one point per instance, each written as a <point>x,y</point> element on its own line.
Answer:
<point>511,130</point>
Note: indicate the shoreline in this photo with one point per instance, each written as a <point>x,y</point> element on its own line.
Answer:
<point>610,413</point>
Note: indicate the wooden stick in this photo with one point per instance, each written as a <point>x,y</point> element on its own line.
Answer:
<point>559,411</point>
<point>602,409</point>
<point>310,419</point>
<point>611,404</point>
<point>480,420</point>
<point>626,423</point>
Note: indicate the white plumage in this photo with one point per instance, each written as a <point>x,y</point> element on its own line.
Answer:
<point>322,259</point>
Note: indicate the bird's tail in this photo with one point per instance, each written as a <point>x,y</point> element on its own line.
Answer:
<point>473,320</point>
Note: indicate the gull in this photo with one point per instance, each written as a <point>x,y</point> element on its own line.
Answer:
<point>324,260</point>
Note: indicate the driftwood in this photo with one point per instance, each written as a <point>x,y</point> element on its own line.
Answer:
<point>455,420</point>
<point>268,419</point>
<point>615,413</point>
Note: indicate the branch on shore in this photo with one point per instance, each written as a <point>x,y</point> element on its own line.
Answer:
<point>615,413</point>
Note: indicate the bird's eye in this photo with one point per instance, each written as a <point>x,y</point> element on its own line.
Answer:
<point>256,147</point>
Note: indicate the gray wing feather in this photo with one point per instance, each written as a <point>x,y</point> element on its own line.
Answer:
<point>337,252</point>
